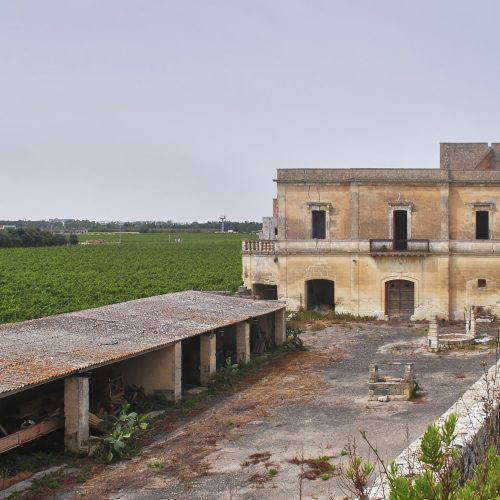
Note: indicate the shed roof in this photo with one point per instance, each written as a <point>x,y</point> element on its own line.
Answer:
<point>41,350</point>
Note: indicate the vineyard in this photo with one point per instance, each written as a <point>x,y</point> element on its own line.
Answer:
<point>37,282</point>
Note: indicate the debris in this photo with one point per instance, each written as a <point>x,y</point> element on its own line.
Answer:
<point>196,390</point>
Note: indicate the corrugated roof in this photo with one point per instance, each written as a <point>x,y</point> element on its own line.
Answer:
<point>40,350</point>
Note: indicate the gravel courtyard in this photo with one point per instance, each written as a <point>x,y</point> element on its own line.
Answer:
<point>307,405</point>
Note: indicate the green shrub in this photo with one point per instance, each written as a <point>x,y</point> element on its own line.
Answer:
<point>440,478</point>
<point>121,440</point>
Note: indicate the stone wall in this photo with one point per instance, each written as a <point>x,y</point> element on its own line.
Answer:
<point>473,430</point>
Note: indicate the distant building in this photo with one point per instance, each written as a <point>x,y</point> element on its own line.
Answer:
<point>8,226</point>
<point>394,243</point>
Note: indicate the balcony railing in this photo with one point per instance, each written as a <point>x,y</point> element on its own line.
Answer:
<point>380,246</point>
<point>375,246</point>
<point>260,246</point>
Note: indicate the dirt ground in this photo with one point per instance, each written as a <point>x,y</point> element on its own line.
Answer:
<point>296,414</point>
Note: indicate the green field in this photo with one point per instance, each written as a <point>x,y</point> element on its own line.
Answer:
<point>37,282</point>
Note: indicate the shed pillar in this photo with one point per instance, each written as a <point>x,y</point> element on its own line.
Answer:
<point>243,342</point>
<point>76,413</point>
<point>175,373</point>
<point>208,363</point>
<point>279,327</point>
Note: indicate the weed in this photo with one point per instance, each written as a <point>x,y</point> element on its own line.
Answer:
<point>315,320</point>
<point>20,460</point>
<point>49,481</point>
<point>272,472</point>
<point>317,467</point>
<point>156,464</point>
<point>83,476</point>
<point>122,437</point>
<point>257,458</point>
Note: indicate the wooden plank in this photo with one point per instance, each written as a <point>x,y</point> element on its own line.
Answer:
<point>29,434</point>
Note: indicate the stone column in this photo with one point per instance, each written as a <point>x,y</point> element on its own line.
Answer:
<point>208,363</point>
<point>470,323</point>
<point>76,413</point>
<point>433,336</point>
<point>373,377</point>
<point>279,327</point>
<point>243,342</point>
<point>408,376</point>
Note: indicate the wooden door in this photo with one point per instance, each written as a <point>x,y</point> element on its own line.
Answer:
<point>399,299</point>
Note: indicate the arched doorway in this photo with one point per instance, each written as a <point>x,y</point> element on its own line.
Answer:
<point>399,299</point>
<point>320,293</point>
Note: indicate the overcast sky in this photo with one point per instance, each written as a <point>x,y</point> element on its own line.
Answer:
<point>183,110</point>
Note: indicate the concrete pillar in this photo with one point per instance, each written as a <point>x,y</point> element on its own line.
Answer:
<point>76,413</point>
<point>279,327</point>
<point>208,362</point>
<point>243,342</point>
<point>373,377</point>
<point>433,336</point>
<point>157,371</point>
<point>470,322</point>
<point>176,373</point>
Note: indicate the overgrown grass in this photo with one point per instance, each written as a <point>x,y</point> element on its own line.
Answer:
<point>315,320</point>
<point>26,460</point>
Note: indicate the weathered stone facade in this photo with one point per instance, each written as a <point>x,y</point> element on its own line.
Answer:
<point>413,243</point>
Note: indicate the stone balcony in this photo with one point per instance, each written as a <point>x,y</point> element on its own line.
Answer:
<point>397,247</point>
<point>375,247</point>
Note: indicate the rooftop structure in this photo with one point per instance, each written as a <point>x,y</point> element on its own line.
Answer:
<point>41,350</point>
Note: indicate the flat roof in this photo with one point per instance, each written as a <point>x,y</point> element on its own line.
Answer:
<point>41,350</point>
<point>382,175</point>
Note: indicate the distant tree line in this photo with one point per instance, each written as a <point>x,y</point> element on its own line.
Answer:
<point>34,237</point>
<point>73,225</point>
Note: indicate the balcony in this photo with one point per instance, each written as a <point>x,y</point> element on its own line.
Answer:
<point>259,246</point>
<point>399,246</point>
<point>375,247</point>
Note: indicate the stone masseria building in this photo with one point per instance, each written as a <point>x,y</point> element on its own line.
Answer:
<point>395,243</point>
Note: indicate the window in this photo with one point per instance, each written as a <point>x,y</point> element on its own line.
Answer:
<point>400,229</point>
<point>481,283</point>
<point>482,225</point>
<point>319,224</point>
<point>319,219</point>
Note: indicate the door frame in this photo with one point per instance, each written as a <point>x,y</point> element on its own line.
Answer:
<point>416,291</point>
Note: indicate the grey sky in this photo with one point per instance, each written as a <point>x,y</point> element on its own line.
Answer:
<point>184,110</point>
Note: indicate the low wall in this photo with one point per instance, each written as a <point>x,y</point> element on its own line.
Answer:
<point>473,430</point>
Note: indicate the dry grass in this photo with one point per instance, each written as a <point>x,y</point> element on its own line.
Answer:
<point>287,381</point>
